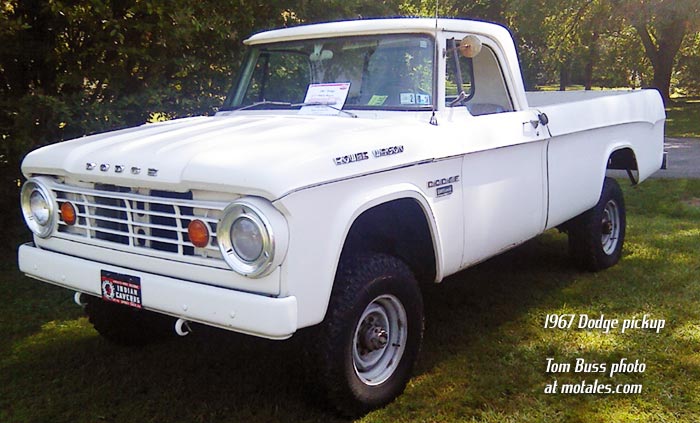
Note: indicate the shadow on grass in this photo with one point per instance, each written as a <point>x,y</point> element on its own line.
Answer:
<point>475,301</point>
<point>486,348</point>
<point>73,375</point>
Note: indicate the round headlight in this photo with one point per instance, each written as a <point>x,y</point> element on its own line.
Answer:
<point>252,236</point>
<point>247,239</point>
<point>38,207</point>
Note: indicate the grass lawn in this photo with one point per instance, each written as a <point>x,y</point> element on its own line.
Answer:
<point>483,360</point>
<point>683,118</point>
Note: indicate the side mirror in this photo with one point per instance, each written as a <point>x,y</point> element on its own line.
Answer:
<point>470,46</point>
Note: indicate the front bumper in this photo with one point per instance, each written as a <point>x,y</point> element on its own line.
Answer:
<point>259,315</point>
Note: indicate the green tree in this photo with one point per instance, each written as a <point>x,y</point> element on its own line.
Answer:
<point>621,61</point>
<point>687,72</point>
<point>567,37</point>
<point>70,67</point>
<point>308,11</point>
<point>662,25</point>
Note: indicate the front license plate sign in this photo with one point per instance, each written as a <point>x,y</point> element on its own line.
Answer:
<point>121,289</point>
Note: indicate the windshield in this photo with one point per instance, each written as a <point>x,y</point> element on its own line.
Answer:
<point>390,72</point>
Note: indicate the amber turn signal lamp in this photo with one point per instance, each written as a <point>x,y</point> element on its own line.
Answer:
<point>68,214</point>
<point>198,233</point>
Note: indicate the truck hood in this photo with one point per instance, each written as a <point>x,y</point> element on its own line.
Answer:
<point>266,155</point>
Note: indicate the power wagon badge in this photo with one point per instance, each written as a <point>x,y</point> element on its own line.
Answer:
<point>351,158</point>
<point>364,155</point>
<point>388,151</point>
<point>121,289</point>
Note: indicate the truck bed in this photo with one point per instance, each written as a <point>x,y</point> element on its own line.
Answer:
<point>549,98</point>
<point>582,111</point>
<point>587,127</point>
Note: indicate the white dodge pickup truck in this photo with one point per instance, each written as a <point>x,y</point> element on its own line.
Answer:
<point>350,161</point>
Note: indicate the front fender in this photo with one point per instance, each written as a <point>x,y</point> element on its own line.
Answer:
<point>320,220</point>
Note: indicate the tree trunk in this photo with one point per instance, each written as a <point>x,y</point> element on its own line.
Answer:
<point>662,77</point>
<point>591,58</point>
<point>563,76</point>
<point>588,75</point>
<point>662,53</point>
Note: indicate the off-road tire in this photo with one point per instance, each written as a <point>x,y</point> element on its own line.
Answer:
<point>596,237</point>
<point>368,282</point>
<point>128,326</point>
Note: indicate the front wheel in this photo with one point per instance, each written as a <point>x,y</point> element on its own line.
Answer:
<point>372,333</point>
<point>596,237</point>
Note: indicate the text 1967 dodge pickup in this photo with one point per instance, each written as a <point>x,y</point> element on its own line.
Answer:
<point>350,161</point>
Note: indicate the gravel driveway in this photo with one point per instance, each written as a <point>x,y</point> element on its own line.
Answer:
<point>683,159</point>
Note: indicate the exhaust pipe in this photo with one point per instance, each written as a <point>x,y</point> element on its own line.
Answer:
<point>182,327</point>
<point>78,299</point>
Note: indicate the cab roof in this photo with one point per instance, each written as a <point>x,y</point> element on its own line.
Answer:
<point>377,26</point>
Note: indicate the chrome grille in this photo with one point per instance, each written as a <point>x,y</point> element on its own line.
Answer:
<point>149,222</point>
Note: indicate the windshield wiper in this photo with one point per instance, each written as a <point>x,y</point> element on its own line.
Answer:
<point>288,104</point>
<point>260,103</point>
<point>319,103</point>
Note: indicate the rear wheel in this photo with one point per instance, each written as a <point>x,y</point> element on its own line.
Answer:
<point>128,326</point>
<point>596,237</point>
<point>372,333</point>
